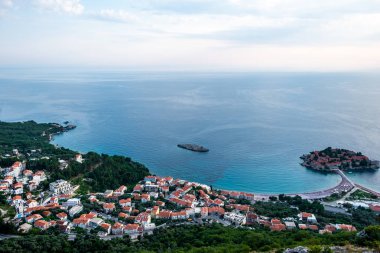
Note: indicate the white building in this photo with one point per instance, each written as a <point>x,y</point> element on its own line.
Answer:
<point>235,218</point>
<point>60,187</point>
<point>79,158</point>
<point>72,202</point>
<point>74,210</point>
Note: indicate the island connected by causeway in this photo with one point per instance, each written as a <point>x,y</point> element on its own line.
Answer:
<point>334,158</point>
<point>53,199</point>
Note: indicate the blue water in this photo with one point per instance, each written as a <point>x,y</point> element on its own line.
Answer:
<point>256,125</point>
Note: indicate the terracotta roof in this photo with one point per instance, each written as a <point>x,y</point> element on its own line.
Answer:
<point>108,205</point>
<point>41,223</point>
<point>117,225</point>
<point>61,215</point>
<point>131,227</point>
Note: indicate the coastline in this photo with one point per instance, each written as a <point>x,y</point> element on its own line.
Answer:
<point>344,185</point>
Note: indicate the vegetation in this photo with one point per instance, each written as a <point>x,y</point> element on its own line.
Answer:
<point>96,173</point>
<point>215,238</point>
<point>359,194</point>
<point>28,136</point>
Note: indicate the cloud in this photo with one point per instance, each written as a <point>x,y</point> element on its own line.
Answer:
<point>67,6</point>
<point>115,15</point>
<point>6,3</point>
<point>191,34</point>
<point>254,21</point>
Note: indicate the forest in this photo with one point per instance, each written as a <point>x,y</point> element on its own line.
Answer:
<point>211,238</point>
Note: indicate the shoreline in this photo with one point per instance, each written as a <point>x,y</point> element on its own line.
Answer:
<point>344,185</point>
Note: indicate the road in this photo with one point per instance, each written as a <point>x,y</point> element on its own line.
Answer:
<point>345,185</point>
<point>3,236</point>
<point>367,190</point>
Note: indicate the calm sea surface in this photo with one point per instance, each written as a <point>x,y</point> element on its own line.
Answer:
<point>255,125</point>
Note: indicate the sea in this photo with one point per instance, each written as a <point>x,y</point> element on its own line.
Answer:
<point>256,125</point>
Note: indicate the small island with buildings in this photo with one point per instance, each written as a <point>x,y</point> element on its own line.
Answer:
<point>331,159</point>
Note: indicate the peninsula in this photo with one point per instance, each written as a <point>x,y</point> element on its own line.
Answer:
<point>193,147</point>
<point>331,159</point>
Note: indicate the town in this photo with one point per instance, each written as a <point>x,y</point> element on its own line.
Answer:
<point>155,202</point>
<point>330,159</point>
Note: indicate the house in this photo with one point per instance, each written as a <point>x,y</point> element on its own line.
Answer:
<point>290,225</point>
<point>275,222</point>
<point>60,187</point>
<point>74,210</point>
<point>123,215</point>
<point>81,222</point>
<point>145,198</point>
<point>106,228</point>
<point>92,199</point>
<point>164,214</point>
<point>149,227</point>
<point>71,202</point>
<point>25,228</point>
<point>219,202</point>
<point>120,191</point>
<point>235,218</point>
<point>149,187</point>
<point>151,179</point>
<point>109,207</point>
<point>78,158</point>
<point>39,176</point>
<point>55,200</point>
<point>330,228</point>
<point>345,227</point>
<point>32,203</point>
<point>117,228</point>
<point>46,213</point>
<point>4,188</point>
<point>125,202</point>
<point>62,216</point>
<point>33,218</point>
<point>313,227</point>
<point>17,200</point>
<point>15,170</point>
<point>95,222</point>
<point>302,226</point>
<point>32,185</point>
<point>143,218</point>
<point>131,228</point>
<point>27,173</point>
<point>155,211</point>
<point>138,188</point>
<point>18,188</point>
<point>127,209</point>
<point>216,210</point>
<point>251,218</point>
<point>41,224</point>
<point>182,215</point>
<point>9,179</point>
<point>307,217</point>
<point>160,203</point>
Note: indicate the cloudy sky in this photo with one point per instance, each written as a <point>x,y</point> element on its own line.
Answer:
<point>241,35</point>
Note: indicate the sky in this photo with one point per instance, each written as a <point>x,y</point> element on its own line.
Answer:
<point>221,35</point>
